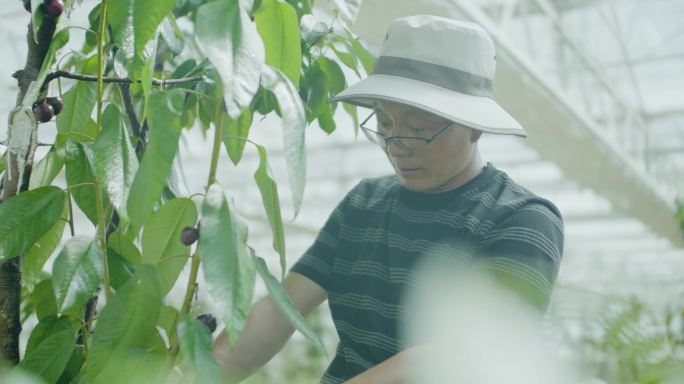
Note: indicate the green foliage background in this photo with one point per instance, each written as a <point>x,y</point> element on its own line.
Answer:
<point>116,142</point>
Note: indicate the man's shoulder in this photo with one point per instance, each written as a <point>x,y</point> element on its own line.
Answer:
<point>512,201</point>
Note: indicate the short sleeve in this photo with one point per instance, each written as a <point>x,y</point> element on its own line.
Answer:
<point>524,250</point>
<point>316,263</point>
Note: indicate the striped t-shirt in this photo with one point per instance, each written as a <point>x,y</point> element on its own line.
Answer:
<point>367,254</point>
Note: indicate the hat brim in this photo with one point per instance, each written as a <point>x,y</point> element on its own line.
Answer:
<point>481,113</point>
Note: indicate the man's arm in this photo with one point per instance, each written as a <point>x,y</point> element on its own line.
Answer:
<point>267,329</point>
<point>395,370</point>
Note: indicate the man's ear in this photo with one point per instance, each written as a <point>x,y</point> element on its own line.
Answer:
<point>475,135</point>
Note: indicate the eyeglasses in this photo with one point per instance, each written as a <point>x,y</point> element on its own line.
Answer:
<point>412,143</point>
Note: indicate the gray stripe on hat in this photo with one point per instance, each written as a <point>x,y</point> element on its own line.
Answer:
<point>450,78</point>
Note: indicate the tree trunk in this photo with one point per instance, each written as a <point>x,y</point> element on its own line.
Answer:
<point>10,300</point>
<point>10,270</point>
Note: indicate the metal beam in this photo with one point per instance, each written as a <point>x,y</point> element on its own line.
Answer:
<point>559,5</point>
<point>575,143</point>
<point>558,130</point>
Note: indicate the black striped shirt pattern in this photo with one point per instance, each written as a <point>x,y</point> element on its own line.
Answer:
<point>369,251</point>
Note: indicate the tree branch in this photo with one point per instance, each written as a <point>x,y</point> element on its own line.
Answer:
<point>137,130</point>
<point>118,80</point>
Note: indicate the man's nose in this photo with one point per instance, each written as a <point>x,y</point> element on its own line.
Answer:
<point>396,148</point>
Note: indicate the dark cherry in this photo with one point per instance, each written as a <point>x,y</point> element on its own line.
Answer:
<point>189,235</point>
<point>53,8</point>
<point>43,112</point>
<point>209,320</point>
<point>56,104</point>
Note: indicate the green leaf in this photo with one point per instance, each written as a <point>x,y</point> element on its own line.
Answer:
<point>317,98</point>
<point>204,113</point>
<point>48,357</point>
<point>294,123</point>
<point>146,75</point>
<point>26,217</point>
<point>115,161</point>
<point>333,73</point>
<point>347,10</point>
<point>313,30</point>
<point>353,113</point>
<point>76,274</point>
<point>250,6</point>
<point>93,23</point>
<point>80,178</point>
<point>189,112</point>
<point>231,42</point>
<point>136,366</point>
<point>36,17</point>
<point>126,323</point>
<point>172,34</point>
<point>679,214</point>
<point>135,22</point>
<point>47,169</point>
<point>184,69</point>
<point>278,26</point>
<point>167,317</point>
<point>303,7</point>
<point>269,196</point>
<point>79,102</point>
<point>227,267</point>
<point>366,58</point>
<point>32,263</point>
<point>43,299</point>
<point>326,121</point>
<point>206,104</point>
<point>347,59</point>
<point>236,128</point>
<point>47,326</point>
<point>120,269</point>
<point>195,343</point>
<point>157,344</point>
<point>264,102</point>
<point>161,236</point>
<point>124,247</point>
<point>73,366</point>
<point>284,303</point>
<point>161,242</point>
<point>156,164</point>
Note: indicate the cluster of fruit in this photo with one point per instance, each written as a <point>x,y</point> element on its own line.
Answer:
<point>50,8</point>
<point>44,110</point>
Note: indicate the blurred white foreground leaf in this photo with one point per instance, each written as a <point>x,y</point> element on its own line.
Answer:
<point>478,334</point>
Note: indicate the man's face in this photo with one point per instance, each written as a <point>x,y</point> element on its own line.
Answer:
<point>445,163</point>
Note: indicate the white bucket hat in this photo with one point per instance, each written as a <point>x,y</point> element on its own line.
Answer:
<point>440,65</point>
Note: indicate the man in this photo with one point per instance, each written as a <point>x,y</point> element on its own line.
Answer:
<point>431,95</point>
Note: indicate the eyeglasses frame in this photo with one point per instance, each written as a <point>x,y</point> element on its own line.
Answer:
<point>387,139</point>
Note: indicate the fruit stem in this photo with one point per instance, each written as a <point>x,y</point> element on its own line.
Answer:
<point>101,226</point>
<point>100,62</point>
<point>218,136</point>
<point>218,133</point>
<point>190,289</point>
